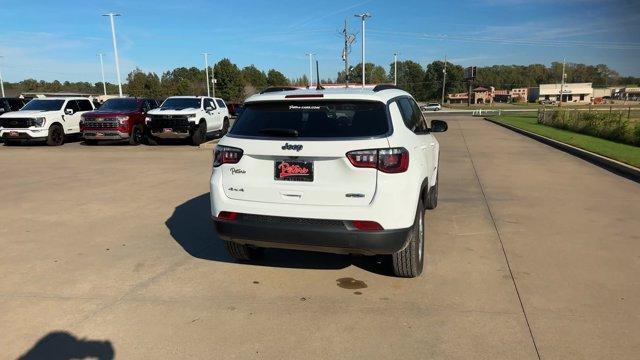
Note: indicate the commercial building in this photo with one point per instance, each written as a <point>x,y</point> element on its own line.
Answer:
<point>520,94</point>
<point>579,93</point>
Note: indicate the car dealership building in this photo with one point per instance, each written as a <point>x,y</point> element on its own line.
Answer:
<point>580,93</point>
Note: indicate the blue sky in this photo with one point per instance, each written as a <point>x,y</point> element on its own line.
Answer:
<point>60,40</point>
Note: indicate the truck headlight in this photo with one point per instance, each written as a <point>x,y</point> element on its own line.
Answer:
<point>123,120</point>
<point>40,121</point>
<point>191,117</point>
<point>147,120</point>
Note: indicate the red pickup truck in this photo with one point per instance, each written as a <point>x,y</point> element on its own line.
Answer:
<point>117,119</point>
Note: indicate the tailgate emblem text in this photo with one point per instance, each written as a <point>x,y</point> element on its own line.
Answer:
<point>296,147</point>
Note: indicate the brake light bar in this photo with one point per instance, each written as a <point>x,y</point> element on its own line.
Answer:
<point>303,96</point>
<point>227,215</point>
<point>226,155</point>
<point>366,225</point>
<point>392,161</point>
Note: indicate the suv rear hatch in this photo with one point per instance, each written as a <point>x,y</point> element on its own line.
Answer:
<point>295,152</point>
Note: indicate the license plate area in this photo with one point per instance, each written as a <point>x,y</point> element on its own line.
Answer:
<point>293,170</point>
<point>13,133</point>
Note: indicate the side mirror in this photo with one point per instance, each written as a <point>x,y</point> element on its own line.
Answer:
<point>438,126</point>
<point>208,108</point>
<point>68,111</point>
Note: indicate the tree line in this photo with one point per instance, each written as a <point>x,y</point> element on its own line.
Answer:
<point>425,83</point>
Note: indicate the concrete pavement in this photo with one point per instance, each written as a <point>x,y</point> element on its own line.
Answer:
<point>110,249</point>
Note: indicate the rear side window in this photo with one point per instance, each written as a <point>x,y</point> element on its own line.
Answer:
<point>85,105</point>
<point>313,119</point>
<point>411,115</point>
<point>72,104</point>
<point>221,103</point>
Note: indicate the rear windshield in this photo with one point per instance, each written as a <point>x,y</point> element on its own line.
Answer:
<point>120,105</point>
<point>312,119</point>
<point>44,105</point>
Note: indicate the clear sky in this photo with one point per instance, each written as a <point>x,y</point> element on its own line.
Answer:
<point>60,39</point>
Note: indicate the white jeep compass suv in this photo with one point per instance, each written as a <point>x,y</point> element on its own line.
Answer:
<point>50,119</point>
<point>342,171</point>
<point>188,117</point>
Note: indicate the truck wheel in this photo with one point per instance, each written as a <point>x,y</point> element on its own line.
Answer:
<point>199,135</point>
<point>241,252</point>
<point>409,261</point>
<point>432,197</point>
<point>56,135</point>
<point>137,136</point>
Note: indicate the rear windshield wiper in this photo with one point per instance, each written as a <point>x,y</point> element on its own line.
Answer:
<point>279,132</point>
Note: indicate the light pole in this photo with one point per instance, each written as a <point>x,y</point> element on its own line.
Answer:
<point>364,17</point>
<point>310,69</point>
<point>395,69</point>
<point>444,79</point>
<point>1,81</point>
<point>562,83</point>
<point>206,72</point>
<point>115,50</point>
<point>104,83</point>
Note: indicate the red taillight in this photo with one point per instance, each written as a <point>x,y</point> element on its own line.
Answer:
<point>395,160</point>
<point>226,155</point>
<point>227,215</point>
<point>365,225</point>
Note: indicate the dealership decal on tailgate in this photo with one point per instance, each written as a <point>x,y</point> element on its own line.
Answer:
<point>293,170</point>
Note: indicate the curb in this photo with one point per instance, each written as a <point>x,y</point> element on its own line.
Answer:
<point>209,145</point>
<point>616,167</point>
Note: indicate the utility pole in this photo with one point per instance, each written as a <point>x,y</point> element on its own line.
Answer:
<point>115,50</point>
<point>395,69</point>
<point>310,69</point>
<point>444,79</point>
<point>213,84</point>
<point>1,81</point>
<point>348,40</point>
<point>206,72</point>
<point>364,17</point>
<point>562,83</point>
<point>104,83</point>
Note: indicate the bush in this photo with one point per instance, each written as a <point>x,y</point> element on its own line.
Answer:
<point>611,126</point>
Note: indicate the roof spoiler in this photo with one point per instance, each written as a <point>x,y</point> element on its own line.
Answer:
<point>385,87</point>
<point>278,89</point>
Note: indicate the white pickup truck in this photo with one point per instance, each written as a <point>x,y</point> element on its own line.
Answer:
<point>188,117</point>
<point>50,119</point>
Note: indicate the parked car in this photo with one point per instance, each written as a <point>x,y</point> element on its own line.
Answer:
<point>49,119</point>
<point>341,171</point>
<point>8,104</point>
<point>188,117</point>
<point>233,108</point>
<point>431,107</point>
<point>117,119</point>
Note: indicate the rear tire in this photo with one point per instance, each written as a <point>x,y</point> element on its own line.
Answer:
<point>56,135</point>
<point>409,261</point>
<point>199,135</point>
<point>241,252</point>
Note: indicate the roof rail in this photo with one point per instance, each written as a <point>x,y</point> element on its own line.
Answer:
<point>385,87</point>
<point>278,88</point>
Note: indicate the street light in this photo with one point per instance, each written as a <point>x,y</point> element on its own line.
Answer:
<point>364,17</point>
<point>310,69</point>
<point>115,49</point>
<point>206,72</point>
<point>395,69</point>
<point>104,84</point>
<point>1,81</point>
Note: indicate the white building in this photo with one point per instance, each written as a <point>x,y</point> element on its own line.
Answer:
<point>579,93</point>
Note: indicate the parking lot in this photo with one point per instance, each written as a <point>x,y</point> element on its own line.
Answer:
<point>532,253</point>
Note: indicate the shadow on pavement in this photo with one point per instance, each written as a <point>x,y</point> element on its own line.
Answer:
<point>61,345</point>
<point>191,226</point>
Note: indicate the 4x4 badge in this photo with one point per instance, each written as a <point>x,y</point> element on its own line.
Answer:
<point>296,147</point>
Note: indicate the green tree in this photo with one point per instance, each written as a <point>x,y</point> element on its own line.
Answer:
<point>230,84</point>
<point>141,84</point>
<point>254,77</point>
<point>276,78</point>
<point>432,83</point>
<point>410,78</point>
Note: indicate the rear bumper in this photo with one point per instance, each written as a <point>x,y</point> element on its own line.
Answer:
<point>299,236</point>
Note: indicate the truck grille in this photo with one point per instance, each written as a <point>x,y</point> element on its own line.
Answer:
<point>16,123</point>
<point>104,123</point>
<point>175,122</point>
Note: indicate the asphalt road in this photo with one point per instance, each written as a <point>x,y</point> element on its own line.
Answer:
<point>109,250</point>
